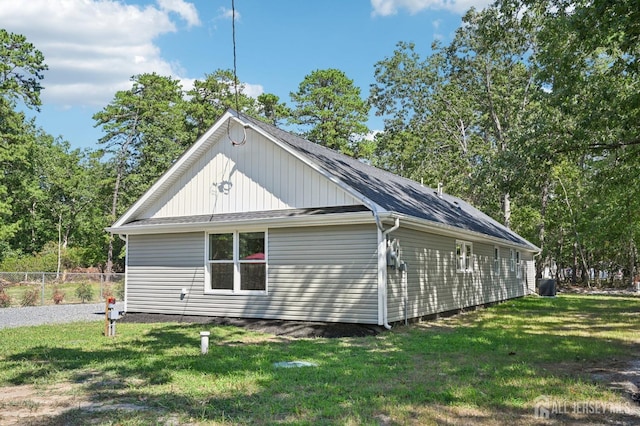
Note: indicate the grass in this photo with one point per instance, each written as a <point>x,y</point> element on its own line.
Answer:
<point>483,367</point>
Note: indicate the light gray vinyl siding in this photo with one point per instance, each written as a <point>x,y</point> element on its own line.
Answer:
<point>327,273</point>
<point>314,274</point>
<point>159,267</point>
<point>434,285</point>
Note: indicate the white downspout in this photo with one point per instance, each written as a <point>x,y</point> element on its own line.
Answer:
<point>382,271</point>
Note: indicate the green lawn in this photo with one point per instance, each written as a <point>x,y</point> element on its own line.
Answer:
<point>483,367</point>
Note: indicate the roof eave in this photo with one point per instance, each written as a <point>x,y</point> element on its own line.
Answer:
<point>355,218</point>
<point>451,231</point>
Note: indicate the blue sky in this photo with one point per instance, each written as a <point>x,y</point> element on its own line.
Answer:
<point>93,47</point>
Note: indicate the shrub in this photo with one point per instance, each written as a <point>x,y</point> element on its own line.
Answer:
<point>84,292</point>
<point>30,297</point>
<point>5,299</point>
<point>58,296</point>
<point>107,291</point>
<point>119,289</point>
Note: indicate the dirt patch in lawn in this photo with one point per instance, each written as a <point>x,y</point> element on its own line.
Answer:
<point>623,377</point>
<point>47,405</point>
<point>295,329</point>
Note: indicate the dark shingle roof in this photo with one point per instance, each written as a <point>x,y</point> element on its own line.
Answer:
<point>392,192</point>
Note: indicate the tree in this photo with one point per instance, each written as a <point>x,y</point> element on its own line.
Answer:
<point>460,116</point>
<point>330,110</point>
<point>588,60</point>
<point>271,109</point>
<point>211,97</point>
<point>428,120</point>
<point>21,67</point>
<point>145,133</point>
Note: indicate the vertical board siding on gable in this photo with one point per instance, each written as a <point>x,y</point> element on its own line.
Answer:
<point>256,176</point>
<point>434,286</point>
<point>315,274</point>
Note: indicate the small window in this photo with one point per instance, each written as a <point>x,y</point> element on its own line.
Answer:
<point>518,268</point>
<point>464,256</point>
<point>512,260</point>
<point>237,262</point>
<point>496,260</point>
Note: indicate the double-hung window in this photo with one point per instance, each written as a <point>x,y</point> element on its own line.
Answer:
<point>464,256</point>
<point>518,268</point>
<point>496,260</point>
<point>237,262</point>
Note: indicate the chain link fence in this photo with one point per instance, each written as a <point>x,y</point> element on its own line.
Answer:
<point>49,288</point>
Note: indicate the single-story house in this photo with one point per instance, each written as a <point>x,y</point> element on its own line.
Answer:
<point>255,222</point>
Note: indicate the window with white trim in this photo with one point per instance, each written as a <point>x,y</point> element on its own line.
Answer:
<point>464,256</point>
<point>518,268</point>
<point>237,262</point>
<point>512,262</point>
<point>496,260</point>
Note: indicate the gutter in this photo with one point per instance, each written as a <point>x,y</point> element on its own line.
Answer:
<point>382,270</point>
<point>451,231</point>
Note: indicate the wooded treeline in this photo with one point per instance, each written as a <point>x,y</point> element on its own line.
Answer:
<point>531,113</point>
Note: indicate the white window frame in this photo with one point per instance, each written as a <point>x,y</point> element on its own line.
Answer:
<point>512,260</point>
<point>464,256</point>
<point>496,260</point>
<point>518,265</point>
<point>237,277</point>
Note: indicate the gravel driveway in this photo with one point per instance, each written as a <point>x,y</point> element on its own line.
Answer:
<point>52,314</point>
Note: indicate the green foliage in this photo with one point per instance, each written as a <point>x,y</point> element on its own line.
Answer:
<point>21,67</point>
<point>525,95</point>
<point>271,109</point>
<point>30,297</point>
<point>119,290</point>
<point>330,110</point>
<point>85,292</point>
<point>211,97</point>
<point>45,261</point>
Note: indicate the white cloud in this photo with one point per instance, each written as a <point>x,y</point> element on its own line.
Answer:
<point>187,11</point>
<point>229,14</point>
<point>371,136</point>
<point>93,47</point>
<point>253,90</point>
<point>391,7</point>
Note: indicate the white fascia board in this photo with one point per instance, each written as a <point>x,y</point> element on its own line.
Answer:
<point>279,222</point>
<point>451,231</point>
<point>186,157</point>
<point>366,201</point>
